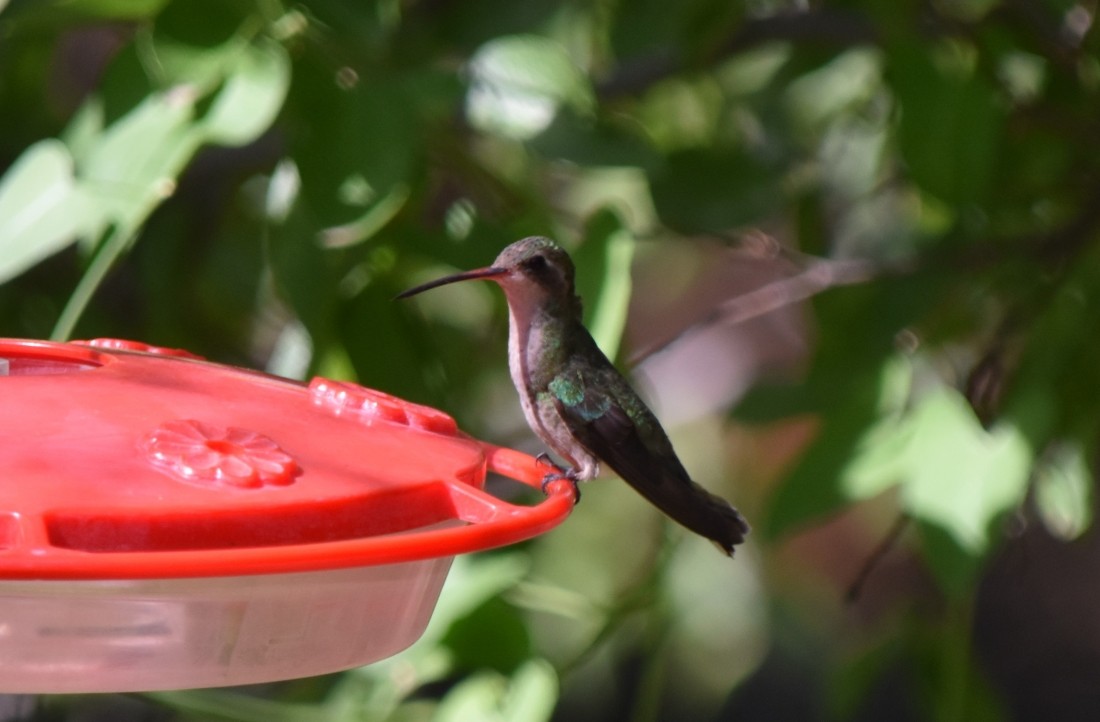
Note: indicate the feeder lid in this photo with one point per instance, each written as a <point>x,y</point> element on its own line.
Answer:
<point>123,460</point>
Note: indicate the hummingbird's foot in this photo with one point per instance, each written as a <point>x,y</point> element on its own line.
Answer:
<point>559,473</point>
<point>562,475</point>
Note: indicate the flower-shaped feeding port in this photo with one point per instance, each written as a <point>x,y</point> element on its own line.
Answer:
<point>205,454</point>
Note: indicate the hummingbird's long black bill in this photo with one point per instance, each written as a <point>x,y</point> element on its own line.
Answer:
<point>477,273</point>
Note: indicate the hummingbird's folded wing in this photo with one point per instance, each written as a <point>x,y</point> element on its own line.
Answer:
<point>598,418</point>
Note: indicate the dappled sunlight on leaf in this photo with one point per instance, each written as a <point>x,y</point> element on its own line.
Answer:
<point>517,85</point>
<point>960,476</point>
<point>41,208</point>
<point>1064,491</point>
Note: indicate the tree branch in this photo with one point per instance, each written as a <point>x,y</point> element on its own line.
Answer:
<point>820,275</point>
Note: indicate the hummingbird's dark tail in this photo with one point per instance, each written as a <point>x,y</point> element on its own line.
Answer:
<point>695,508</point>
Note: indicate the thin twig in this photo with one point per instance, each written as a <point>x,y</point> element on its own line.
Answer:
<point>117,241</point>
<point>822,274</point>
<point>855,589</point>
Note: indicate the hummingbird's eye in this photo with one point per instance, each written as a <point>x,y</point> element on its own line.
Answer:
<point>535,263</point>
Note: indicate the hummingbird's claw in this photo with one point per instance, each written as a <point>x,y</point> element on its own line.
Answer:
<point>544,459</point>
<point>558,473</point>
<point>562,475</point>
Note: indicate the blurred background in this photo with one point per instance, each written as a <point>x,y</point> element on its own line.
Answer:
<point>849,250</point>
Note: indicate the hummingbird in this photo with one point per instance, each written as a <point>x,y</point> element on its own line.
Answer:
<point>578,403</point>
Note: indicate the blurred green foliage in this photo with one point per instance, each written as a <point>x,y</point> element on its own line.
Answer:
<point>255,180</point>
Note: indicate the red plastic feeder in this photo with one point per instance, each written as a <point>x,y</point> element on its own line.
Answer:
<point>169,523</point>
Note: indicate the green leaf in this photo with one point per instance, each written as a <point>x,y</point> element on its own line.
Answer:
<point>605,283</point>
<point>518,83</point>
<point>302,270</point>
<point>853,682</point>
<point>66,10</point>
<point>202,67</point>
<point>958,475</point>
<point>83,130</point>
<point>586,142</point>
<point>134,164</point>
<point>219,704</point>
<point>528,696</point>
<point>811,489</point>
<point>837,87</point>
<point>130,167</point>
<point>251,97</point>
<point>371,320</point>
<point>954,566</point>
<point>768,402</point>
<point>116,9</point>
<point>498,620</point>
<point>949,681</point>
<point>371,222</point>
<point>533,693</point>
<point>950,125</point>
<point>711,190</point>
<point>689,29</point>
<point>953,473</point>
<point>878,460</point>
<point>41,208</point>
<point>372,144</point>
<point>1063,491</point>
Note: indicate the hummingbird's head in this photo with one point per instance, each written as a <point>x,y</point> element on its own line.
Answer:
<point>534,272</point>
<point>535,261</point>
